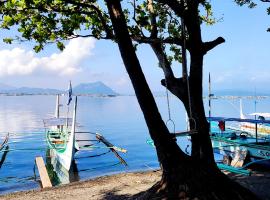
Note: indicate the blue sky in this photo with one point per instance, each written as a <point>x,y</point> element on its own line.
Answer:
<point>240,63</point>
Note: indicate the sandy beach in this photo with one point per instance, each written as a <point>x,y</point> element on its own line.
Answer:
<point>125,186</point>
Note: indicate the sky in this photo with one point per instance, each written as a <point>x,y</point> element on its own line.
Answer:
<point>241,63</point>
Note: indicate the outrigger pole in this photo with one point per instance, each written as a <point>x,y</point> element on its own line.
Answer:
<point>113,148</point>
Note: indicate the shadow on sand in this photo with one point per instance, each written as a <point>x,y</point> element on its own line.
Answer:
<point>112,195</point>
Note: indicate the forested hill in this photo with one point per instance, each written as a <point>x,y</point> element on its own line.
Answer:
<point>95,88</point>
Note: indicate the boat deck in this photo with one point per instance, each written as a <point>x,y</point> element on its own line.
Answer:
<point>57,140</point>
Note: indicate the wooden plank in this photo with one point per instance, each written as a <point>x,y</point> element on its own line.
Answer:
<point>44,177</point>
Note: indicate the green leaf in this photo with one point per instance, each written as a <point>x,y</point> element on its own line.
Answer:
<point>8,40</point>
<point>60,46</point>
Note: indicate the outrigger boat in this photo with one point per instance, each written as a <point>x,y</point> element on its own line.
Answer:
<point>238,147</point>
<point>61,139</point>
<point>231,140</point>
<point>250,138</point>
<point>263,129</point>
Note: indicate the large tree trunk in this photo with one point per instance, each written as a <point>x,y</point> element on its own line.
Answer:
<point>182,176</point>
<point>164,141</point>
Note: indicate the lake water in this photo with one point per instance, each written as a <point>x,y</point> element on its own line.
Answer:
<point>118,119</point>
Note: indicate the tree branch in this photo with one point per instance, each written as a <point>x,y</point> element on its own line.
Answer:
<point>99,13</point>
<point>176,86</point>
<point>207,46</point>
<point>90,35</point>
<point>175,5</point>
<point>163,61</point>
<point>150,7</point>
<point>150,40</point>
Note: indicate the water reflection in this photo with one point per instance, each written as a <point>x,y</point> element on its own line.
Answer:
<point>21,114</point>
<point>119,119</point>
<point>57,173</point>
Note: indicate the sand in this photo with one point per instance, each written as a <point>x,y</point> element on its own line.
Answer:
<point>124,186</point>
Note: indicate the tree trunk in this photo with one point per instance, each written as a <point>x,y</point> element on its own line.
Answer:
<point>164,141</point>
<point>183,177</point>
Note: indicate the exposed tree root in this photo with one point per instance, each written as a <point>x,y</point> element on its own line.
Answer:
<point>197,184</point>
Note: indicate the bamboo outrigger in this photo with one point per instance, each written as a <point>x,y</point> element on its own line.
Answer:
<point>4,148</point>
<point>5,142</point>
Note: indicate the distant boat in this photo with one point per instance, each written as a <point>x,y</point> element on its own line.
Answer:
<point>61,136</point>
<point>263,129</point>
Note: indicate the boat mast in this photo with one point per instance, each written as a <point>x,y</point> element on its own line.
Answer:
<point>256,125</point>
<point>57,107</point>
<point>209,95</point>
<point>255,103</point>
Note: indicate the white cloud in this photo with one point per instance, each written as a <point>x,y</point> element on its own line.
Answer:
<point>18,61</point>
<point>122,81</point>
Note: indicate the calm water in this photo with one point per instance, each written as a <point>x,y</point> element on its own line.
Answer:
<point>119,119</point>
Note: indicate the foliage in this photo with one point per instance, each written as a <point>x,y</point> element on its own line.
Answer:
<point>55,21</point>
<point>250,3</point>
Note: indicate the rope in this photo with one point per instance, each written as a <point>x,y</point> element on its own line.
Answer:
<point>67,117</point>
<point>92,156</point>
<point>17,179</point>
<point>39,149</point>
<point>90,145</point>
<point>34,170</point>
<point>168,102</point>
<point>97,147</point>
<point>100,167</point>
<point>185,71</point>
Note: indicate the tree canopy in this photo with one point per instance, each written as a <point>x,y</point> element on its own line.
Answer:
<point>57,21</point>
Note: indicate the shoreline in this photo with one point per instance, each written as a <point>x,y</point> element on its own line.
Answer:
<point>117,186</point>
<point>126,185</point>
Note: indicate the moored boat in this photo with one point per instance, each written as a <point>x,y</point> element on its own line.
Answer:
<point>61,138</point>
<point>239,146</point>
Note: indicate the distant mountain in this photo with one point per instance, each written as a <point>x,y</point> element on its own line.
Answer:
<point>5,87</point>
<point>93,88</point>
<point>96,88</point>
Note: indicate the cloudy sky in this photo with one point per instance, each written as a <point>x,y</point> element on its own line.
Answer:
<point>241,63</point>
